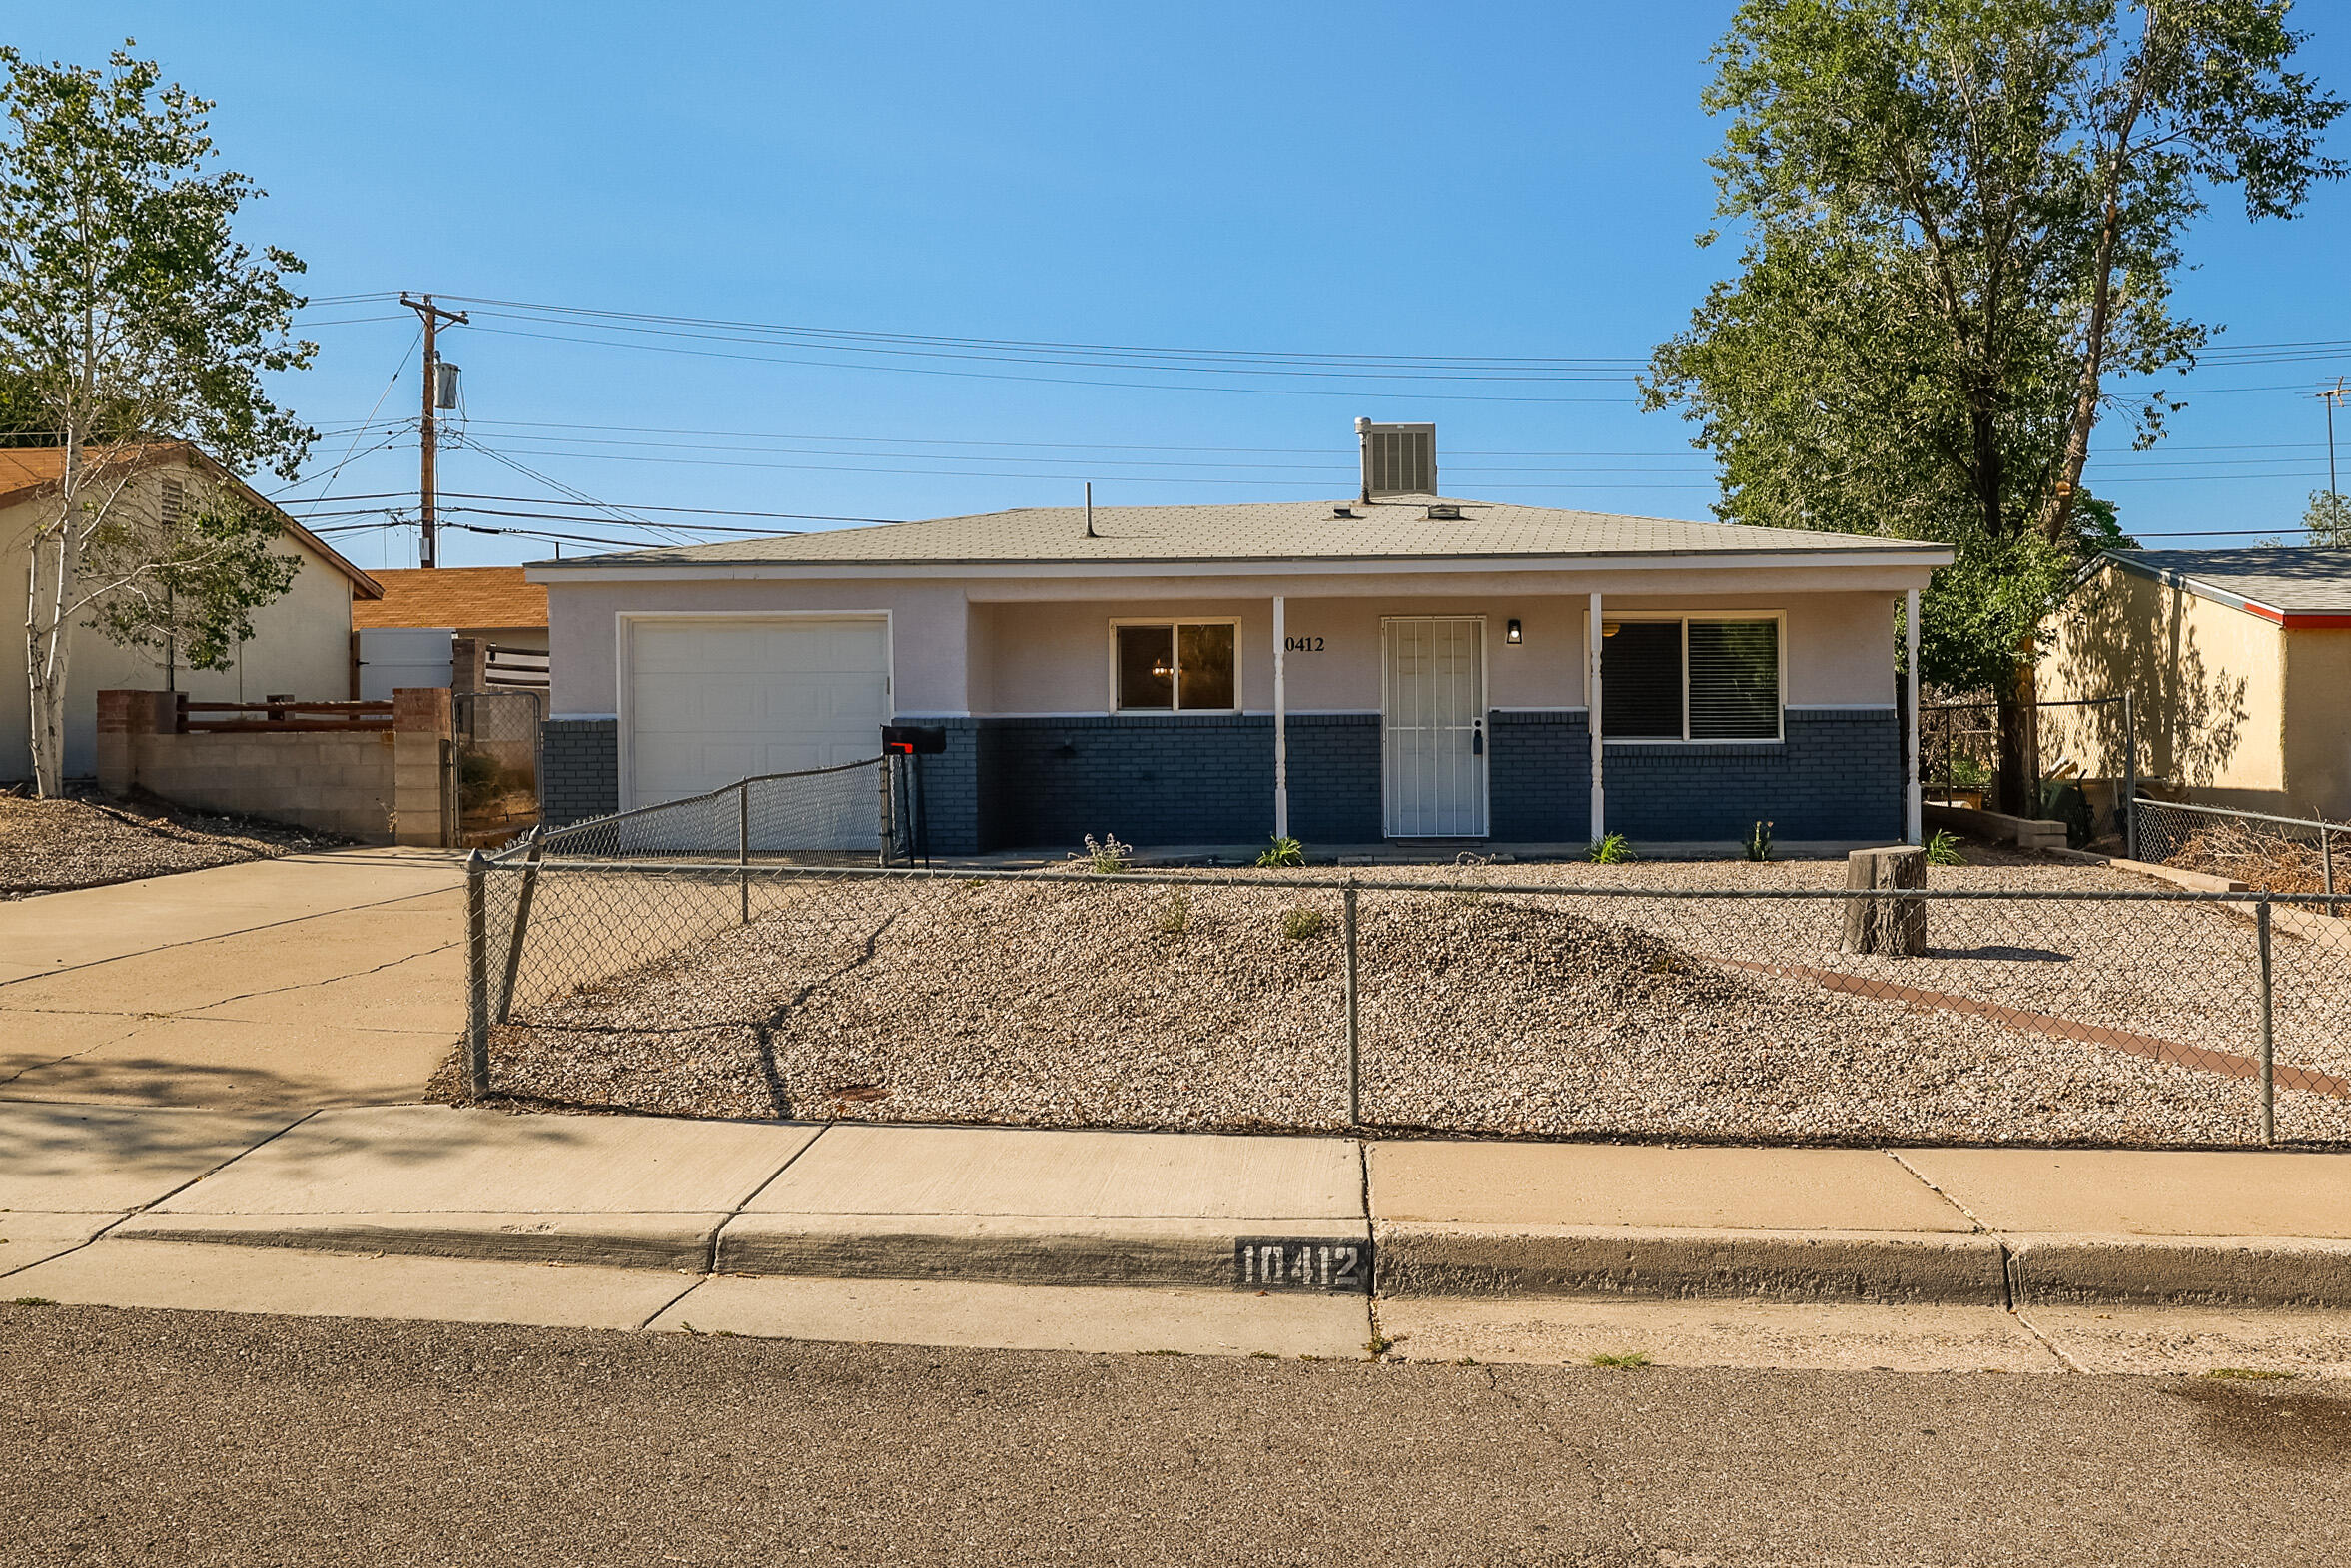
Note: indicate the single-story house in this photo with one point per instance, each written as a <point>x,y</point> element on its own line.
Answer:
<point>2239,661</point>
<point>475,628</point>
<point>301,646</point>
<point>1388,665</point>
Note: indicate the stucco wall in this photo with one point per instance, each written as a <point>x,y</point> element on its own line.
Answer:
<point>301,647</point>
<point>2210,683</point>
<point>926,629</point>
<point>2318,720</point>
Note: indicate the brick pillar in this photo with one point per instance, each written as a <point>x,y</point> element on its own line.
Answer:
<point>122,718</point>
<point>422,766</point>
<point>469,664</point>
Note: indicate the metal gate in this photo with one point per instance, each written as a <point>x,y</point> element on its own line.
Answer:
<point>497,763</point>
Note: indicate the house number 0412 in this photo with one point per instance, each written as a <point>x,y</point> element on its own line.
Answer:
<point>1301,644</point>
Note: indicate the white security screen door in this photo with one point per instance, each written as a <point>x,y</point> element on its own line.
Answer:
<point>1433,724</point>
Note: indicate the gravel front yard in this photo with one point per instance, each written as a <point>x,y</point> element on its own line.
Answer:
<point>49,846</point>
<point>1217,1004</point>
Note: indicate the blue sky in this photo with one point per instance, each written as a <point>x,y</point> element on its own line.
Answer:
<point>1473,181</point>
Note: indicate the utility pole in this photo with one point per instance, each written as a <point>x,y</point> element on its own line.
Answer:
<point>429,444</point>
<point>2333,398</point>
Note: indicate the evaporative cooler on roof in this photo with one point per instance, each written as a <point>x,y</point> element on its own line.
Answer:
<point>1398,460</point>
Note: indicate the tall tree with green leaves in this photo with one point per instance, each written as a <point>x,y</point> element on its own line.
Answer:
<point>1961,220</point>
<point>132,318</point>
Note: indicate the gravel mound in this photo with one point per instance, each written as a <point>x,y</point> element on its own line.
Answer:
<point>1221,1005</point>
<point>50,846</point>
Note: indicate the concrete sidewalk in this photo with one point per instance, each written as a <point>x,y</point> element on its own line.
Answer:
<point>312,979</point>
<point>1955,1259</point>
<point>1020,1205</point>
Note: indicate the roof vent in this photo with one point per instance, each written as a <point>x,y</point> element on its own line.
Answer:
<point>1398,460</point>
<point>1445,513</point>
<point>1342,512</point>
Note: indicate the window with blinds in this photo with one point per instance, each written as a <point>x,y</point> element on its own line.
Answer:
<point>1733,680</point>
<point>1690,679</point>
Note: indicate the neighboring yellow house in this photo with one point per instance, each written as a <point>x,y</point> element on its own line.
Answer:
<point>301,647</point>
<point>2240,660</point>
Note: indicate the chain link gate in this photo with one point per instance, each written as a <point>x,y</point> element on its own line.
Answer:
<point>497,763</point>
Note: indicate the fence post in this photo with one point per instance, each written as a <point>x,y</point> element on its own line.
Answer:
<point>477,974</point>
<point>882,783</point>
<point>2130,776</point>
<point>2268,1041</point>
<point>743,847</point>
<point>521,920</point>
<point>1354,1034</point>
<point>2326,862</point>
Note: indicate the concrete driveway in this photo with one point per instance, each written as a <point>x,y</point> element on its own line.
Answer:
<point>313,980</point>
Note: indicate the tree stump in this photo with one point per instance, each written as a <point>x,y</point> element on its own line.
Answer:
<point>1892,926</point>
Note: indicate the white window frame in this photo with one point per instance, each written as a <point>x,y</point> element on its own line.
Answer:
<point>1175,623</point>
<point>1685,617</point>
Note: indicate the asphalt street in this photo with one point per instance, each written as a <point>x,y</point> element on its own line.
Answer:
<point>153,1437</point>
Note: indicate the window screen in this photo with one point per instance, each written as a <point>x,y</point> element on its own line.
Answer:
<point>1733,680</point>
<point>1146,667</point>
<point>1640,679</point>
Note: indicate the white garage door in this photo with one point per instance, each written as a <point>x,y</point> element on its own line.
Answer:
<point>713,701</point>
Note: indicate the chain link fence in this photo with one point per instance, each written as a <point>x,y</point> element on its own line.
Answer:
<point>1495,1001</point>
<point>2275,853</point>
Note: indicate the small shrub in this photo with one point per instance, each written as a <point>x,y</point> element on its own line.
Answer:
<point>1301,924</point>
<point>1629,1358</point>
<point>32,1300</point>
<point>2251,1374</point>
<point>1944,850</point>
<point>1283,853</point>
<point>1104,856</point>
<point>1759,842</point>
<point>1614,850</point>
<point>1175,915</point>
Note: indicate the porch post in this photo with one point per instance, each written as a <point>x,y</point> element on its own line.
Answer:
<point>1280,721</point>
<point>1913,803</point>
<point>1592,705</point>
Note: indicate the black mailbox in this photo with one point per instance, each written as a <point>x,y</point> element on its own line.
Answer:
<point>915,740</point>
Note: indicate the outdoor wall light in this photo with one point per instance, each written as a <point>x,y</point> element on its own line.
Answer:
<point>1516,633</point>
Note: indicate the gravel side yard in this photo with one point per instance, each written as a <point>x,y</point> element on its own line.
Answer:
<point>1219,1006</point>
<point>49,846</point>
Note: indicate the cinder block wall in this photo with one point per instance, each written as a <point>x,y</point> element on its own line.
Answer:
<point>341,784</point>
<point>1150,780</point>
<point>378,786</point>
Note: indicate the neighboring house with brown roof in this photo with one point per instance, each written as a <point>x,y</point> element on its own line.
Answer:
<point>1388,665</point>
<point>488,620</point>
<point>2240,664</point>
<point>301,646</point>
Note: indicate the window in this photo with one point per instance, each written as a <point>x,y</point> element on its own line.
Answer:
<point>1682,678</point>
<point>1170,668</point>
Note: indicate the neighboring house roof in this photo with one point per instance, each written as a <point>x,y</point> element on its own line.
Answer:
<point>1390,529</point>
<point>454,597</point>
<point>2292,586</point>
<point>27,471</point>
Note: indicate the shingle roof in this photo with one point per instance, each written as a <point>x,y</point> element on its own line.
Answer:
<point>2283,579</point>
<point>25,469</point>
<point>1390,528</point>
<point>454,597</point>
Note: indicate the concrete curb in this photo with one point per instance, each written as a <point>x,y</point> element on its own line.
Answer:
<point>2142,1270</point>
<point>1439,1260</point>
<point>669,1242</point>
<point>1009,1249</point>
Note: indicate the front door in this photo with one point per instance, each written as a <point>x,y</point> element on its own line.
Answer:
<point>1433,726</point>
